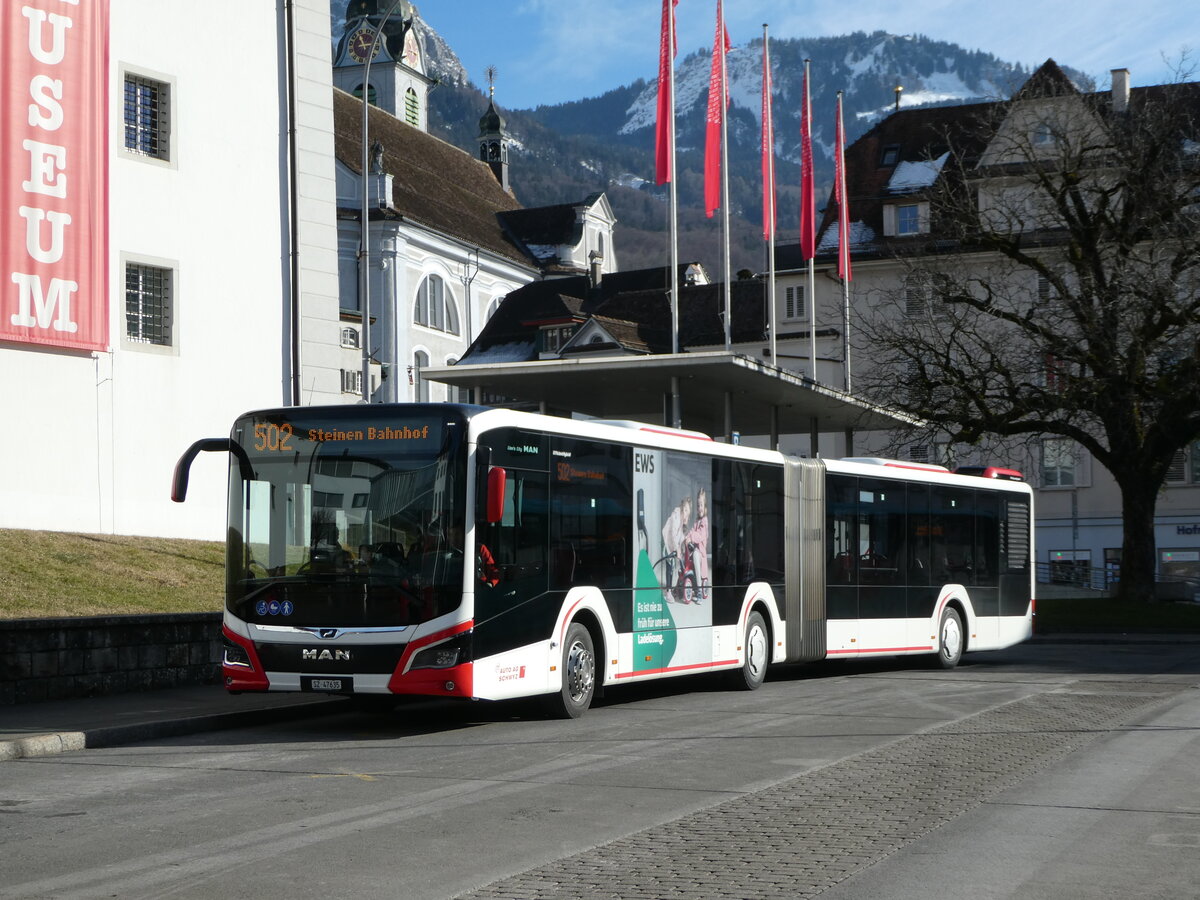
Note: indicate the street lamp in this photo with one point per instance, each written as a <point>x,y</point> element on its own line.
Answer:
<point>364,253</point>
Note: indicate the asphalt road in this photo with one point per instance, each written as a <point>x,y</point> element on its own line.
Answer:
<point>1048,770</point>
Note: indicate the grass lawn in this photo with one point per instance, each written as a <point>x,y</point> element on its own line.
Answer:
<point>48,573</point>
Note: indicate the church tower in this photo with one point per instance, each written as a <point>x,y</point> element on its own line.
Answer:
<point>493,139</point>
<point>398,83</point>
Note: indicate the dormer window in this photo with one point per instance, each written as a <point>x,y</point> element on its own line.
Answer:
<point>906,219</point>
<point>555,337</point>
<point>891,155</point>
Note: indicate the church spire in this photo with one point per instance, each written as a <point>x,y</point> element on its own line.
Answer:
<point>493,139</point>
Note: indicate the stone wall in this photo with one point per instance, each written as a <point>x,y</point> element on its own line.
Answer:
<point>54,659</point>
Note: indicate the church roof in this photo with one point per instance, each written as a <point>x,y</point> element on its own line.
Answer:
<point>548,226</point>
<point>633,307</point>
<point>434,184</point>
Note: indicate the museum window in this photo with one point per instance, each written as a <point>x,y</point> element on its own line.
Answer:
<point>148,304</point>
<point>147,117</point>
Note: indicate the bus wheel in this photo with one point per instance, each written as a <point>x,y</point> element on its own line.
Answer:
<point>758,651</point>
<point>950,639</point>
<point>578,676</point>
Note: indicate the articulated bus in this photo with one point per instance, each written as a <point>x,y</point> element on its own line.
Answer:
<point>459,551</point>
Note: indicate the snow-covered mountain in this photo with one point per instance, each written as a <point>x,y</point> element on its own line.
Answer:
<point>867,67</point>
<point>564,152</point>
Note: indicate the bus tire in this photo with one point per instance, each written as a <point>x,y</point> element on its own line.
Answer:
<point>757,643</point>
<point>578,676</point>
<point>950,639</point>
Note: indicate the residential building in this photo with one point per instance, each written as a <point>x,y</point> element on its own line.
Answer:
<point>904,255</point>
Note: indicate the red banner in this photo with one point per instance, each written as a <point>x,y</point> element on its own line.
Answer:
<point>666,102</point>
<point>839,194</point>
<point>768,148</point>
<point>54,187</point>
<point>718,98</point>
<point>808,203</point>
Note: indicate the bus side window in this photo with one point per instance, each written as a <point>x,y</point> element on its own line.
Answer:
<point>517,542</point>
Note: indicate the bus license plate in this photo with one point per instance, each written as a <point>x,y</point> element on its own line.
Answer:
<point>328,685</point>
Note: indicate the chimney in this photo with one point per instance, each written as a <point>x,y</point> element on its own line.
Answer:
<point>1120,90</point>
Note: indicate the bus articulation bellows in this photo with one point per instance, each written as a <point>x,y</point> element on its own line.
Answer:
<point>459,551</point>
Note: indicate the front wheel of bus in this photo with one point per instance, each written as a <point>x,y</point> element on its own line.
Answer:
<point>950,639</point>
<point>758,651</point>
<point>578,676</point>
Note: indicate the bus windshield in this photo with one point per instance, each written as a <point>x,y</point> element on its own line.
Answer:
<point>335,522</point>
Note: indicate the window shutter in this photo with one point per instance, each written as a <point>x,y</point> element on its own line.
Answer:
<point>1176,473</point>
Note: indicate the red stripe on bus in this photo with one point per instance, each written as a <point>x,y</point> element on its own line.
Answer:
<point>669,433</point>
<point>720,662</point>
<point>877,650</point>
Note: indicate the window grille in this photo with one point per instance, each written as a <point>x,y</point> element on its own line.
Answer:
<point>147,117</point>
<point>148,304</point>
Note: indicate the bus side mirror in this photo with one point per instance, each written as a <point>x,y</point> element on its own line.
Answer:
<point>183,468</point>
<point>497,478</point>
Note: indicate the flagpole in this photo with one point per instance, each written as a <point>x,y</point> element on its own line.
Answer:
<point>674,200</point>
<point>811,288</point>
<point>725,184</point>
<point>843,244</point>
<point>769,199</point>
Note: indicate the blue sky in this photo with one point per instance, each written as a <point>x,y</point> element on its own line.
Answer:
<point>548,51</point>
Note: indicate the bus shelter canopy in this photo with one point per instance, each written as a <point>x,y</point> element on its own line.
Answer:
<point>758,398</point>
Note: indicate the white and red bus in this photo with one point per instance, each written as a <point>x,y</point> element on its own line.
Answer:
<point>460,551</point>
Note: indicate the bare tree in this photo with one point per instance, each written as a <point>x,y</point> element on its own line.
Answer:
<point>1060,297</point>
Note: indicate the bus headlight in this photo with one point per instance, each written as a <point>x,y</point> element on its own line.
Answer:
<point>235,655</point>
<point>444,655</point>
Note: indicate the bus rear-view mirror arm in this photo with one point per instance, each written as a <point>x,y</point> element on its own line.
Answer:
<point>183,468</point>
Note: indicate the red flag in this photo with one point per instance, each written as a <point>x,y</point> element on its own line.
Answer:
<point>718,98</point>
<point>808,207</point>
<point>768,148</point>
<point>839,194</point>
<point>666,59</point>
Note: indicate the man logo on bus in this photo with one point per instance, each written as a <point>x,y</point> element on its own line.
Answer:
<point>325,654</point>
